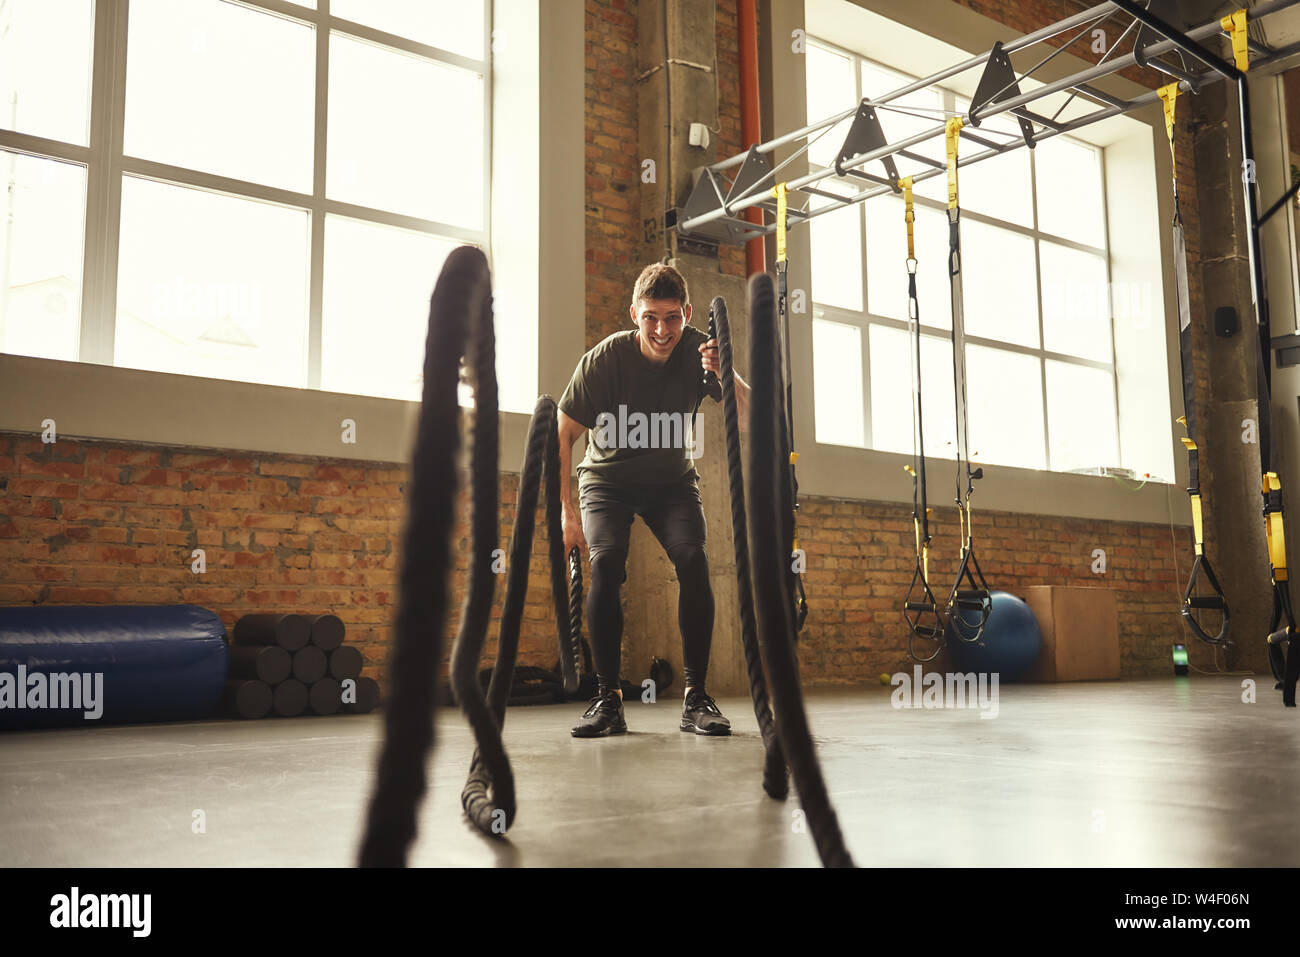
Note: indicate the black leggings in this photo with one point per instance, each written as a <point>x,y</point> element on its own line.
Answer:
<point>675,515</point>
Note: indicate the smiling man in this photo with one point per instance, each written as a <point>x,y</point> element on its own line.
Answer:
<point>634,393</point>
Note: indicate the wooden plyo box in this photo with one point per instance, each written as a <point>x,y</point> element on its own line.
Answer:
<point>1080,629</point>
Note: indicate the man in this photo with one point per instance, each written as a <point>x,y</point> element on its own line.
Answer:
<point>634,393</point>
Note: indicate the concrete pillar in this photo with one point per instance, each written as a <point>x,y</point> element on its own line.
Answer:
<point>650,595</point>
<point>1230,468</point>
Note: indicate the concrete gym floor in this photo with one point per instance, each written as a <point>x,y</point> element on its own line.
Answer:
<point>1169,772</point>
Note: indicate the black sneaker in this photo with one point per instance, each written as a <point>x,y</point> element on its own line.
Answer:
<point>701,715</point>
<point>603,717</point>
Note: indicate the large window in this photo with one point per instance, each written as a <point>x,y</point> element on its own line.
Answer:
<point>1040,364</point>
<point>261,191</point>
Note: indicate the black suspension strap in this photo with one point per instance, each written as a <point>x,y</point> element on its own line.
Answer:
<point>919,604</point>
<point>1201,566</point>
<point>975,595</point>
<point>776,776</point>
<point>769,492</point>
<point>797,595</point>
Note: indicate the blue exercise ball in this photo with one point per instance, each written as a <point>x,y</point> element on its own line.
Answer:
<point>1009,645</point>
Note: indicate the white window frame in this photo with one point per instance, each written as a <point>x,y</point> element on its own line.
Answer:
<point>864,319</point>
<point>106,164</point>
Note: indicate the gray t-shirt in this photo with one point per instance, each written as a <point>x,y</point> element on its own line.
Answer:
<point>637,413</point>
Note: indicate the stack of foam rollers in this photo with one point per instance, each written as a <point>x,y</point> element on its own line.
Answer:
<point>288,665</point>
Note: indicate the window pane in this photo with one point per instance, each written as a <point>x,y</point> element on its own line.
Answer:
<point>906,116</point>
<point>378,281</point>
<point>388,149</point>
<point>886,262</point>
<point>999,283</point>
<point>891,393</point>
<point>455,25</point>
<point>1004,391</point>
<point>1070,201</point>
<point>41,235</point>
<point>1000,186</point>
<point>210,285</point>
<point>837,383</point>
<point>837,258</point>
<point>45,53</point>
<point>1076,307</point>
<point>221,88</point>
<point>1081,421</point>
<point>831,89</point>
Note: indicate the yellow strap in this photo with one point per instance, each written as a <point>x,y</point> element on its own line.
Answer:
<point>1275,531</point>
<point>794,457</point>
<point>952,132</point>
<point>1234,24</point>
<point>779,191</point>
<point>909,214</point>
<point>1197,524</point>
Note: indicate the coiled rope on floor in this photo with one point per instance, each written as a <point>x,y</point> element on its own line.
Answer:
<point>776,776</point>
<point>770,520</point>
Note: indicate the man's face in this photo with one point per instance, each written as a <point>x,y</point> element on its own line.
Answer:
<point>659,325</point>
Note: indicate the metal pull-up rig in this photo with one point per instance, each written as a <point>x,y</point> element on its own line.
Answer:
<point>713,210</point>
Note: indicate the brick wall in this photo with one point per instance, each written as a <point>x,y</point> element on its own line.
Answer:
<point>97,522</point>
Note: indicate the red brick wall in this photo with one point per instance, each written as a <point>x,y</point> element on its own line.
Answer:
<point>98,523</point>
<point>860,563</point>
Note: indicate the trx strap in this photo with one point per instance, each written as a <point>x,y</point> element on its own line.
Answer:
<point>1201,564</point>
<point>920,600</point>
<point>976,596</point>
<point>783,321</point>
<point>1234,24</point>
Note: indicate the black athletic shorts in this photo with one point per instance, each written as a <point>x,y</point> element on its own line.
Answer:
<point>674,513</point>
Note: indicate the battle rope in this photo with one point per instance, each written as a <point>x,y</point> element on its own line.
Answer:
<point>976,597</point>
<point>776,776</point>
<point>769,495</point>
<point>798,598</point>
<point>462,295</point>
<point>461,305</point>
<point>919,600</point>
<point>1201,564</point>
<point>488,796</point>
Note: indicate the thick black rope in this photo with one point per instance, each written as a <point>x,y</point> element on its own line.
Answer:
<point>770,528</point>
<point>462,294</point>
<point>488,795</point>
<point>776,776</point>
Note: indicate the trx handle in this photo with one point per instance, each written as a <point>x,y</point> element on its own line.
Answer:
<point>1234,24</point>
<point>976,598</point>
